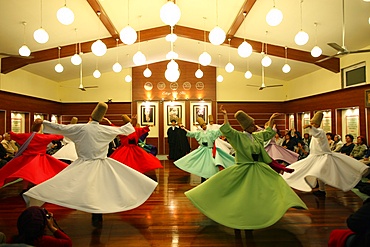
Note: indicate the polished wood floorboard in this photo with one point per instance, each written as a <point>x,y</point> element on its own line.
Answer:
<point>168,218</point>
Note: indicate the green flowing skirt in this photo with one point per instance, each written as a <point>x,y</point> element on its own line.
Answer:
<point>248,196</point>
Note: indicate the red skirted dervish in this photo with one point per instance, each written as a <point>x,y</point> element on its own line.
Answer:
<point>32,164</point>
<point>130,154</point>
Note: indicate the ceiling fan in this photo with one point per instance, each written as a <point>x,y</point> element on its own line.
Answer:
<point>263,82</point>
<point>13,55</point>
<point>341,50</point>
<point>81,86</point>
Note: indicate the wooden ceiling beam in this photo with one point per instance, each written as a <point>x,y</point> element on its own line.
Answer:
<point>9,64</point>
<point>104,18</point>
<point>243,12</point>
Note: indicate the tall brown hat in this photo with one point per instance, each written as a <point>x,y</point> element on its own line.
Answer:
<point>200,121</point>
<point>317,118</point>
<point>74,120</point>
<point>99,111</point>
<point>210,118</point>
<point>126,119</point>
<point>179,120</point>
<point>244,119</point>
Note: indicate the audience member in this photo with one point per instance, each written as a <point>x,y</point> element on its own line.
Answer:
<point>302,150</point>
<point>338,144</point>
<point>348,146</point>
<point>360,149</point>
<point>289,143</point>
<point>32,224</point>
<point>9,145</point>
<point>307,139</point>
<point>330,138</point>
<point>278,139</point>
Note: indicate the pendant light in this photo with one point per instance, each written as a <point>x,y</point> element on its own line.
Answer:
<point>147,72</point>
<point>170,13</point>
<point>76,58</point>
<point>316,51</point>
<point>199,72</point>
<point>301,38</point>
<point>266,60</point>
<point>286,67</point>
<point>171,38</point>
<point>59,67</point>
<point>65,15</point>
<point>40,35</point>
<point>229,66</point>
<point>128,35</point>
<point>248,74</point>
<point>219,78</point>
<point>96,72</point>
<point>245,49</point>
<point>98,47</point>
<point>24,51</point>
<point>217,36</point>
<point>204,59</point>
<point>117,67</point>
<point>139,58</point>
<point>274,16</point>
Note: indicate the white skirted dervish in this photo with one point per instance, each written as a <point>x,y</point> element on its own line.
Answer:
<point>68,151</point>
<point>335,169</point>
<point>93,183</point>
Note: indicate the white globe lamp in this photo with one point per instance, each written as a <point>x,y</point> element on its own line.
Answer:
<point>274,17</point>
<point>248,75</point>
<point>59,68</point>
<point>245,49</point>
<point>24,51</point>
<point>301,38</point>
<point>128,35</point>
<point>139,58</point>
<point>41,36</point>
<point>76,59</point>
<point>170,13</point>
<point>199,73</point>
<point>286,68</point>
<point>128,78</point>
<point>98,48</point>
<point>172,75</point>
<point>97,74</point>
<point>217,36</point>
<point>65,15</point>
<point>316,51</point>
<point>205,59</point>
<point>117,67</point>
<point>229,67</point>
<point>220,78</point>
<point>173,65</point>
<point>266,61</point>
<point>172,55</point>
<point>147,73</point>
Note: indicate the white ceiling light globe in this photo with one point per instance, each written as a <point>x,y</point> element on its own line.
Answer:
<point>266,61</point>
<point>41,36</point>
<point>139,58</point>
<point>173,65</point>
<point>128,78</point>
<point>172,55</point>
<point>205,59</point>
<point>274,17</point>
<point>96,74</point>
<point>286,68</point>
<point>248,75</point>
<point>76,59</point>
<point>171,37</point>
<point>220,78</point>
<point>229,67</point>
<point>170,13</point>
<point>24,51</point>
<point>301,38</point>
<point>198,74</point>
<point>128,35</point>
<point>147,73</point>
<point>98,48</point>
<point>217,36</point>
<point>245,49</point>
<point>172,75</point>
<point>316,51</point>
<point>59,68</point>
<point>65,15</point>
<point>117,67</point>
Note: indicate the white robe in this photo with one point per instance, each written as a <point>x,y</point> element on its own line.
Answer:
<point>67,152</point>
<point>335,169</point>
<point>94,183</point>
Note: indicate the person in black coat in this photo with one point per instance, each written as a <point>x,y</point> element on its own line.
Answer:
<point>172,139</point>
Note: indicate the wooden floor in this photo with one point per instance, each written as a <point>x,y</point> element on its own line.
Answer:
<point>168,218</point>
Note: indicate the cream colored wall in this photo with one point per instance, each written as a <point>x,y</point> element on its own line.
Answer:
<point>234,88</point>
<point>26,83</point>
<point>323,80</point>
<point>111,86</point>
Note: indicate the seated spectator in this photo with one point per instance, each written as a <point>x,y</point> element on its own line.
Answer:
<point>358,234</point>
<point>295,135</point>
<point>278,140</point>
<point>330,138</point>
<point>360,149</point>
<point>32,224</point>
<point>306,139</point>
<point>338,144</point>
<point>54,146</point>
<point>302,150</point>
<point>289,143</point>
<point>348,146</point>
<point>10,145</point>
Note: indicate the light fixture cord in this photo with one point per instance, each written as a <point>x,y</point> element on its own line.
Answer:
<point>286,54</point>
<point>204,33</point>
<point>41,12</point>
<point>273,3</point>
<point>128,12</point>
<point>229,49</point>
<point>59,52</point>
<point>139,32</point>
<point>301,15</point>
<point>76,39</point>
<point>117,52</point>
<point>315,33</point>
<point>24,32</point>
<point>216,12</point>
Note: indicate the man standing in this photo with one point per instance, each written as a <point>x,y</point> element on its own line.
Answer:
<point>172,139</point>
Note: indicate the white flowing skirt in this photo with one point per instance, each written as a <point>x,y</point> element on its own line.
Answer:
<point>67,152</point>
<point>335,169</point>
<point>95,186</point>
